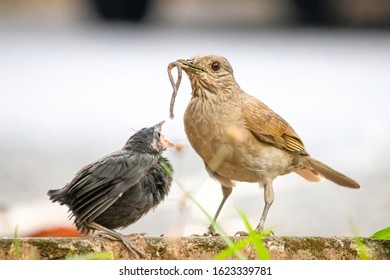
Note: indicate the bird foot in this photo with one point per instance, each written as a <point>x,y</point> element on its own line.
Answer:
<point>136,235</point>
<point>133,249</point>
<point>211,232</point>
<point>125,239</point>
<point>206,234</point>
<point>244,233</point>
<point>105,235</point>
<point>241,233</point>
<point>266,232</point>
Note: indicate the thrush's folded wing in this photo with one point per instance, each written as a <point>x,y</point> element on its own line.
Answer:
<point>270,128</point>
<point>98,185</point>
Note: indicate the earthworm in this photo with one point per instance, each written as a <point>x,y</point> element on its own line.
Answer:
<point>175,86</point>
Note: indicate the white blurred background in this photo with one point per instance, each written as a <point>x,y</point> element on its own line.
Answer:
<point>75,86</point>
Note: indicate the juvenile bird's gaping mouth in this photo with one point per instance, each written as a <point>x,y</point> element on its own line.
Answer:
<point>165,142</point>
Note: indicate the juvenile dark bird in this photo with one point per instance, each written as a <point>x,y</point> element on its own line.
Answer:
<point>239,138</point>
<point>118,189</point>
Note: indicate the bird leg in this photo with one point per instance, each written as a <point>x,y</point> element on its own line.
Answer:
<point>226,191</point>
<point>268,199</point>
<point>111,234</point>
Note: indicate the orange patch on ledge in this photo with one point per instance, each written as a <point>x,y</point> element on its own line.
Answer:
<point>57,232</point>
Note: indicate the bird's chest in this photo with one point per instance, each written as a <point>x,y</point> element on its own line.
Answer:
<point>211,128</point>
<point>220,138</point>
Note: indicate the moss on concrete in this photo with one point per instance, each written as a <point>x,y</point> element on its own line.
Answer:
<point>195,247</point>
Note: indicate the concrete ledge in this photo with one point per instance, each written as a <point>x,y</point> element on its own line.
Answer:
<point>195,248</point>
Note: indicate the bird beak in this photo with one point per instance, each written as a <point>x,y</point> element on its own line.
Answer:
<point>166,143</point>
<point>188,65</point>
<point>159,125</point>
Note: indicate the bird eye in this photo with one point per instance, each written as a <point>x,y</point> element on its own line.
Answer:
<point>215,66</point>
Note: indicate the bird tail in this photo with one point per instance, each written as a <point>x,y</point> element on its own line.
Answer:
<point>57,195</point>
<point>318,168</point>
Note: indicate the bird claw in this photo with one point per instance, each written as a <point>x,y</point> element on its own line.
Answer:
<point>211,232</point>
<point>241,233</point>
<point>105,235</point>
<point>260,228</point>
<point>206,234</point>
<point>136,235</point>
<point>125,239</point>
<point>244,233</point>
<point>133,249</point>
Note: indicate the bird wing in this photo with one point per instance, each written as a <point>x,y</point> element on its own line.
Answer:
<point>269,127</point>
<point>99,185</point>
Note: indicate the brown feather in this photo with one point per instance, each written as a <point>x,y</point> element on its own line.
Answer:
<point>309,175</point>
<point>331,174</point>
<point>269,127</point>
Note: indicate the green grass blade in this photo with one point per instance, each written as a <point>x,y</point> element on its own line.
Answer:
<point>17,254</point>
<point>223,234</point>
<point>32,254</point>
<point>256,238</point>
<point>246,221</point>
<point>92,256</point>
<point>167,169</point>
<point>232,249</point>
<point>382,234</point>
<point>361,248</point>
<point>261,250</point>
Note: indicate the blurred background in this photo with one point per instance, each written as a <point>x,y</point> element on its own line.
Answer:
<point>78,77</point>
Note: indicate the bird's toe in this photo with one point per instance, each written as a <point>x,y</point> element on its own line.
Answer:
<point>136,235</point>
<point>211,232</point>
<point>241,233</point>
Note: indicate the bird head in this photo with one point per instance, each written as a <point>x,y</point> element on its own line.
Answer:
<point>149,140</point>
<point>208,74</point>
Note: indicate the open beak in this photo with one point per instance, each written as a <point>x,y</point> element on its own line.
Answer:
<point>166,143</point>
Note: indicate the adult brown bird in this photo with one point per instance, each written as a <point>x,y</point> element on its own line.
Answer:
<point>239,138</point>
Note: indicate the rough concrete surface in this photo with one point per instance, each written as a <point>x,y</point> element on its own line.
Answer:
<point>196,248</point>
